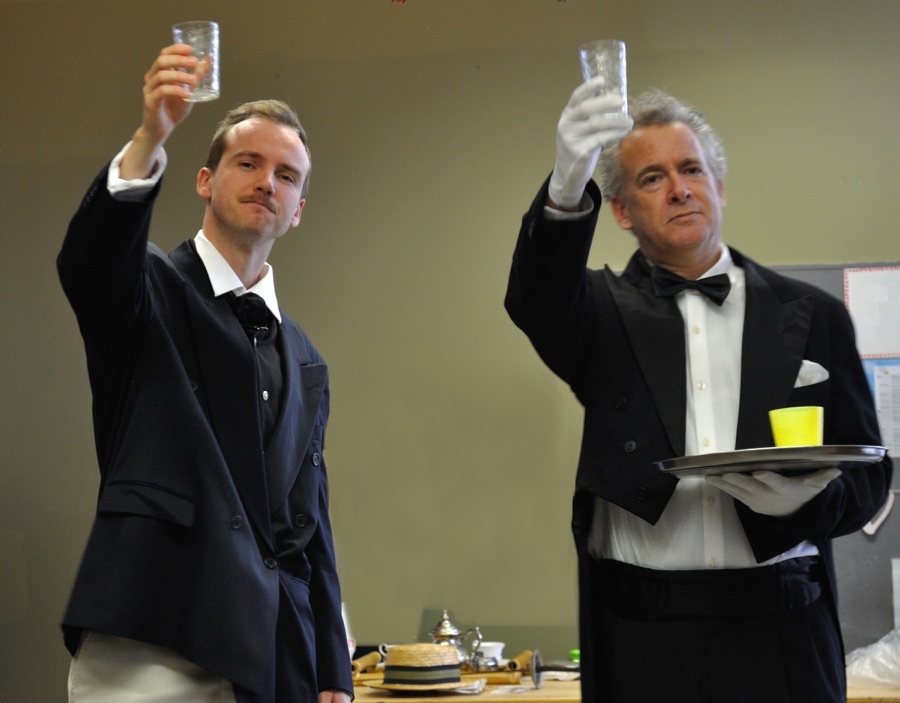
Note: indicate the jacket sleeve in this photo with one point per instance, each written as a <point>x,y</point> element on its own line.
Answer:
<point>548,294</point>
<point>102,262</point>
<point>332,654</point>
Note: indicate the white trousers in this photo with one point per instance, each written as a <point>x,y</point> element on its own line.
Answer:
<point>108,669</point>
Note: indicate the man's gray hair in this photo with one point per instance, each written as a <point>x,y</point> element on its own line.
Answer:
<point>656,107</point>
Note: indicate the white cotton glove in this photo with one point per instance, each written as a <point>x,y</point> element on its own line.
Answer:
<point>587,123</point>
<point>771,493</point>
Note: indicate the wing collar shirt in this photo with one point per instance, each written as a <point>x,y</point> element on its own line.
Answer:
<point>700,528</point>
<point>221,276</point>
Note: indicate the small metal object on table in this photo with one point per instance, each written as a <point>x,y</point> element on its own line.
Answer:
<point>538,668</point>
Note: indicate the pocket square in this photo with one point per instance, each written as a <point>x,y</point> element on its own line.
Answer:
<point>810,373</point>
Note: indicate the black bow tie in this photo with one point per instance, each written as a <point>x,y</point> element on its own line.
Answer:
<point>666,284</point>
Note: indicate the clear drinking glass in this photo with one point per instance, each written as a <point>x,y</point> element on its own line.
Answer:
<point>203,38</point>
<point>606,58</point>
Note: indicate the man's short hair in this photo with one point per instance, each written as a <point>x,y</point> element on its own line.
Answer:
<point>274,110</point>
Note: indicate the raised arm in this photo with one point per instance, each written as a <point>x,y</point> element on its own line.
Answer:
<point>167,85</point>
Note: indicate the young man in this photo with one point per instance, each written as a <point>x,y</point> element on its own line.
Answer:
<point>209,574</point>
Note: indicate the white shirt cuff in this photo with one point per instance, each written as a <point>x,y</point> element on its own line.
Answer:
<point>586,208</point>
<point>136,189</point>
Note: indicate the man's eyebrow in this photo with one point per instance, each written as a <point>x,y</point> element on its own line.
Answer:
<point>651,168</point>
<point>657,168</point>
<point>691,161</point>
<point>247,154</point>
<point>244,153</point>
<point>293,169</point>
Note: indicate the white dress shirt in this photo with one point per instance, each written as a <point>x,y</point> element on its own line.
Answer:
<point>699,528</point>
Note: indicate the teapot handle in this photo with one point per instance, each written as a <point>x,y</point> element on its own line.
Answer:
<point>476,643</point>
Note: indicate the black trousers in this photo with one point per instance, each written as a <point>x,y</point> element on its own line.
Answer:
<point>761,635</point>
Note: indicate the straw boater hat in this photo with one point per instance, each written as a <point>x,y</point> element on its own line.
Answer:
<point>421,667</point>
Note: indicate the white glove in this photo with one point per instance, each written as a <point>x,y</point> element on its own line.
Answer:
<point>770,493</point>
<point>587,123</point>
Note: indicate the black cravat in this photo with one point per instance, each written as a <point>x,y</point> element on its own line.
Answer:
<point>666,284</point>
<point>261,328</point>
<point>253,313</point>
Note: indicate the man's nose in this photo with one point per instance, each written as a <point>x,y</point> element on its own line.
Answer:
<point>266,182</point>
<point>681,191</point>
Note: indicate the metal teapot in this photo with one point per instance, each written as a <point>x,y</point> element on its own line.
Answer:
<point>445,632</point>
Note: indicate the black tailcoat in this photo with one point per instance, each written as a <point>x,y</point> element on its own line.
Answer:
<point>622,351</point>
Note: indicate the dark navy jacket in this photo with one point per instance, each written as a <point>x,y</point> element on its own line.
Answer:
<point>201,540</point>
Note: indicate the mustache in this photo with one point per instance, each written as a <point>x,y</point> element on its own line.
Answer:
<point>267,203</point>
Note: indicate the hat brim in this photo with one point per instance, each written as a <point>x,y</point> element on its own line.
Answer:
<point>451,686</point>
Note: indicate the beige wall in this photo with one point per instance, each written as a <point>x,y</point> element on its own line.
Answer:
<point>451,447</point>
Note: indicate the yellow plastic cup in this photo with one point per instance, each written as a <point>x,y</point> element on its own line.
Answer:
<point>799,426</point>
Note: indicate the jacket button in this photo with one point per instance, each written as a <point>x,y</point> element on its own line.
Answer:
<point>621,403</point>
<point>300,520</point>
<point>316,459</point>
<point>641,493</point>
<point>630,446</point>
<point>270,562</point>
<point>236,522</point>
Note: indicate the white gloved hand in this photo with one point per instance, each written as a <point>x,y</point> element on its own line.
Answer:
<point>770,493</point>
<point>587,123</point>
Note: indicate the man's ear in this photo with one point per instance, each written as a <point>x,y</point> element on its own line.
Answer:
<point>204,189</point>
<point>620,212</point>
<point>295,220</point>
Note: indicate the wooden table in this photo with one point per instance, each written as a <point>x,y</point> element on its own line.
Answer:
<point>561,692</point>
<point>872,695</point>
<point>550,692</point>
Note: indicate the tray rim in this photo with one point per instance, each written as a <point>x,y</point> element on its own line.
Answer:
<point>784,456</point>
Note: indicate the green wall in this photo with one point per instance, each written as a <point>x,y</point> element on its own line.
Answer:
<point>451,448</point>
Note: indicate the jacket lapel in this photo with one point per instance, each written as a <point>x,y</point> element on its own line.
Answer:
<point>655,331</point>
<point>228,373</point>
<point>771,356</point>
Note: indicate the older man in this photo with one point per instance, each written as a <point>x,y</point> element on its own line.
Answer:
<point>699,589</point>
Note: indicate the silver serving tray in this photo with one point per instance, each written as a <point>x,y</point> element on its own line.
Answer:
<point>773,459</point>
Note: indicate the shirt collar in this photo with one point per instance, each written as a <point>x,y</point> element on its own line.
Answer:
<point>736,296</point>
<point>723,265</point>
<point>224,280</point>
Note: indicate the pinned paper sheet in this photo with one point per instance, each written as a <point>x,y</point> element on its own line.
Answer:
<point>872,296</point>
<point>884,376</point>
<point>895,579</point>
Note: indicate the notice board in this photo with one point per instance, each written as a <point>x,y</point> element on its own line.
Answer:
<point>868,565</point>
